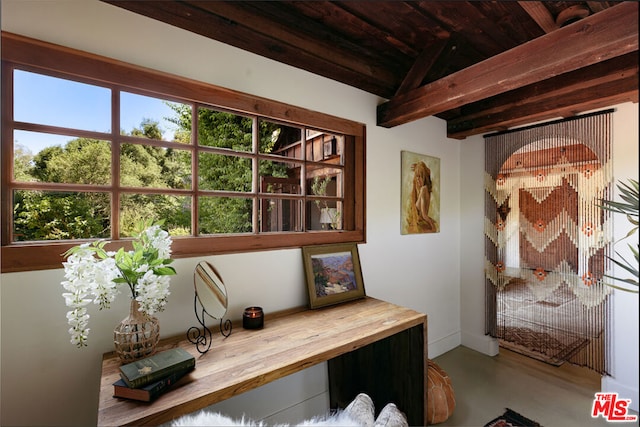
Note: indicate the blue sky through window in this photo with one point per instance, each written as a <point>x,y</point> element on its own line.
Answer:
<point>58,102</point>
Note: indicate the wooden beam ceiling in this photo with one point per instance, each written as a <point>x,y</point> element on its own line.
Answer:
<point>606,35</point>
<point>482,66</point>
<point>540,14</point>
<point>614,81</point>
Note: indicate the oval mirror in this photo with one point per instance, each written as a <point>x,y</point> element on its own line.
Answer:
<point>210,290</point>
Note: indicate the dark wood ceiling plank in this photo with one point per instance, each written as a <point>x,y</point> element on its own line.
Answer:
<point>398,22</point>
<point>342,53</point>
<point>331,26</point>
<point>566,95</point>
<point>539,13</point>
<point>352,36</point>
<point>610,33</point>
<point>339,18</point>
<point>510,19</point>
<point>471,24</point>
<point>232,33</point>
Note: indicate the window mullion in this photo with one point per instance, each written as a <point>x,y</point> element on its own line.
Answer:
<point>115,163</point>
<point>303,179</point>
<point>195,174</point>
<point>255,168</point>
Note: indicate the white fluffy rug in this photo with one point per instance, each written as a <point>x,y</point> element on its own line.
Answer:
<point>210,419</point>
<point>359,413</point>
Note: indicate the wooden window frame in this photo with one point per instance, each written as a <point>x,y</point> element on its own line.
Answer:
<point>39,56</point>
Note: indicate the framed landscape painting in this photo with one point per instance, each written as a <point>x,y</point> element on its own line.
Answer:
<point>333,274</point>
<point>420,209</point>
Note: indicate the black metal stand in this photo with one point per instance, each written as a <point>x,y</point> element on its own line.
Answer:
<point>201,337</point>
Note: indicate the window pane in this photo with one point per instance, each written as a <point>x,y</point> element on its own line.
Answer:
<point>324,212</point>
<point>224,173</point>
<point>279,177</point>
<point>175,211</point>
<point>154,118</point>
<point>281,140</point>
<point>322,146</point>
<point>280,215</point>
<point>324,181</point>
<point>222,215</point>
<point>154,167</point>
<point>58,102</point>
<point>324,215</point>
<point>43,157</point>
<point>224,130</point>
<point>51,215</point>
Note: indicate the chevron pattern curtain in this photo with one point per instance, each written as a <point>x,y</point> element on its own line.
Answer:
<point>546,240</point>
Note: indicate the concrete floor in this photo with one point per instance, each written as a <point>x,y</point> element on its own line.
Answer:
<point>553,396</point>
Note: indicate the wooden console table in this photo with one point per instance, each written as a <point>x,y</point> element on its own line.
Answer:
<point>370,345</point>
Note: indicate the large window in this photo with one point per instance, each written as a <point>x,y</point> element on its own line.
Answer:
<point>91,146</point>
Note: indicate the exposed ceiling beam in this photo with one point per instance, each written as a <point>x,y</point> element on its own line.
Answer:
<point>608,34</point>
<point>539,13</point>
<point>563,96</point>
<point>421,66</point>
<point>552,107</point>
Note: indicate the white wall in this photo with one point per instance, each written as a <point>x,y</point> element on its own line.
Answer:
<point>438,274</point>
<point>472,247</point>
<point>40,369</point>
<point>624,375</point>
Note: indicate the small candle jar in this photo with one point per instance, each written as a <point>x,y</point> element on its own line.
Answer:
<point>253,318</point>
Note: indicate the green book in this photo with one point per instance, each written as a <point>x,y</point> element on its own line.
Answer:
<point>148,392</point>
<point>153,368</point>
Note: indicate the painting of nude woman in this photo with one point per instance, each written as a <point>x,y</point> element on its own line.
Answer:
<point>420,210</point>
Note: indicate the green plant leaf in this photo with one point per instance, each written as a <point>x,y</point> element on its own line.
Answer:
<point>164,271</point>
<point>633,291</point>
<point>629,192</point>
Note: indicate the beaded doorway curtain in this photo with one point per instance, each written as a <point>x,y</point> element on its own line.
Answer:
<point>546,240</point>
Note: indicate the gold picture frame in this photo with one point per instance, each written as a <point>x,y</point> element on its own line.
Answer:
<point>333,274</point>
<point>420,193</point>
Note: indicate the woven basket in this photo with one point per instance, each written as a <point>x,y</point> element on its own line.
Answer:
<point>137,336</point>
<point>441,400</point>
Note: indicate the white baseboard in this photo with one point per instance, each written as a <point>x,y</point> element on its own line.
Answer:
<point>481,343</point>
<point>610,385</point>
<point>441,346</point>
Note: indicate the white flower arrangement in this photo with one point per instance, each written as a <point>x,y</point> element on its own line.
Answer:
<point>93,275</point>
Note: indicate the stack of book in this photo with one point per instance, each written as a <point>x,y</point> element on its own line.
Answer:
<point>148,378</point>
